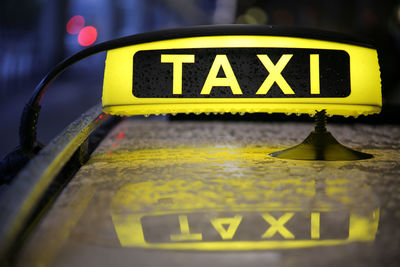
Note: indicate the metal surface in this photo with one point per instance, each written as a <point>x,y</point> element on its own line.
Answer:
<point>20,200</point>
<point>193,194</point>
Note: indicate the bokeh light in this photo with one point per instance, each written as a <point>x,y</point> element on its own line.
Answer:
<point>75,24</point>
<point>246,19</point>
<point>87,36</point>
<point>253,15</point>
<point>258,14</point>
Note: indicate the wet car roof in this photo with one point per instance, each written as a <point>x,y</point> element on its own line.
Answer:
<point>184,193</point>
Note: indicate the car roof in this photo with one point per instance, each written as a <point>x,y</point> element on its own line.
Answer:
<point>154,188</point>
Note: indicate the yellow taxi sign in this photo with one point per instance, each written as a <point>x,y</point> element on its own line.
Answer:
<point>242,73</point>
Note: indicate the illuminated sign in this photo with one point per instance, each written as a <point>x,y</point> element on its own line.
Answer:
<point>242,73</point>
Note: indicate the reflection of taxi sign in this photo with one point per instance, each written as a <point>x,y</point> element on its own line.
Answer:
<point>258,71</point>
<point>243,230</point>
<point>154,214</point>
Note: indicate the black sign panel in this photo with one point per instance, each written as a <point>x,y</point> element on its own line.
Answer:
<point>296,72</point>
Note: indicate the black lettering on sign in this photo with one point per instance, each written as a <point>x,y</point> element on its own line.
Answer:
<point>241,73</point>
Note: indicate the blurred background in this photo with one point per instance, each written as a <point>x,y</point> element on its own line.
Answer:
<point>35,35</point>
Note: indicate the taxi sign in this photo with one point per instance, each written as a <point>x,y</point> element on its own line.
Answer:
<point>262,71</point>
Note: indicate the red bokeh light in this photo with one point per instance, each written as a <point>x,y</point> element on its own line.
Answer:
<point>87,36</point>
<point>121,135</point>
<point>75,24</point>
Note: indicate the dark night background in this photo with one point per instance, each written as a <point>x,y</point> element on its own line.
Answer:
<point>34,38</point>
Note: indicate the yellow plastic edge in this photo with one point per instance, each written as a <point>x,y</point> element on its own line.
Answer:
<point>365,97</point>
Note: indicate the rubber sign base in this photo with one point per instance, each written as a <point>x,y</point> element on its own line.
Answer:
<point>320,145</point>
